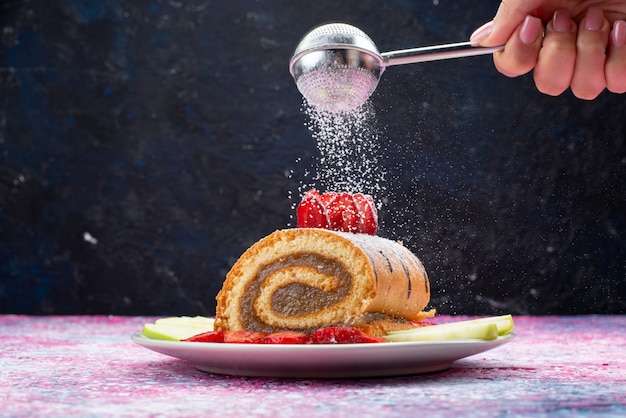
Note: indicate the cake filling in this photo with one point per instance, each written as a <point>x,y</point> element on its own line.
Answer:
<point>301,296</point>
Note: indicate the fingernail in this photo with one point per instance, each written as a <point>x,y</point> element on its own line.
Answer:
<point>594,19</point>
<point>530,29</point>
<point>618,36</point>
<point>562,21</point>
<point>481,33</point>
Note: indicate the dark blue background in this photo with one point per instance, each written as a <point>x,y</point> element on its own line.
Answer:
<point>145,145</point>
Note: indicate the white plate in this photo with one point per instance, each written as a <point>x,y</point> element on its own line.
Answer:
<point>321,360</point>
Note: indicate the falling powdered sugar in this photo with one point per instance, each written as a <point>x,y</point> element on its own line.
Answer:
<point>349,149</point>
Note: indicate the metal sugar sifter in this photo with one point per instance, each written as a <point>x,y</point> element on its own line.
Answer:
<point>336,66</point>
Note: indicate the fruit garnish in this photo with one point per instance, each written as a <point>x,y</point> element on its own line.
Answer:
<point>343,335</point>
<point>207,337</point>
<point>311,212</point>
<point>338,211</point>
<point>488,328</point>
<point>331,335</point>
<point>200,329</point>
<point>238,337</point>
<point>243,337</point>
<point>177,328</point>
<point>286,337</point>
<point>368,220</point>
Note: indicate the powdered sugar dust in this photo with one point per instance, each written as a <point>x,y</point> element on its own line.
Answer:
<point>349,152</point>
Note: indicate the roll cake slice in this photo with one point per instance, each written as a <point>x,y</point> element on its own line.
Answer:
<point>307,278</point>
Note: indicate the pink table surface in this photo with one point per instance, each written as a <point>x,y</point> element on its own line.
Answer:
<point>87,366</point>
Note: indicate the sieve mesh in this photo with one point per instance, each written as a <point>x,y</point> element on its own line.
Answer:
<point>334,29</point>
<point>337,89</point>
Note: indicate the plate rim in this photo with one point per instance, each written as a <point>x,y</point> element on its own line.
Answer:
<point>321,361</point>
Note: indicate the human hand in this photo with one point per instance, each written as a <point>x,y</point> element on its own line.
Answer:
<point>576,44</point>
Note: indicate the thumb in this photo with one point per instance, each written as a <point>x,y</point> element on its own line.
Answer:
<point>510,14</point>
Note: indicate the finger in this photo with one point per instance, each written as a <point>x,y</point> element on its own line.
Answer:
<point>555,65</point>
<point>509,16</point>
<point>615,68</point>
<point>588,79</point>
<point>520,53</point>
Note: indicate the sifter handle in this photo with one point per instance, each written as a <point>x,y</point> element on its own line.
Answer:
<point>436,53</point>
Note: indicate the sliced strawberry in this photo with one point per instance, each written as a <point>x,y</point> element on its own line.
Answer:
<point>311,212</point>
<point>335,205</point>
<point>327,197</point>
<point>285,337</point>
<point>331,335</point>
<point>338,211</point>
<point>349,213</point>
<point>208,337</point>
<point>343,335</point>
<point>243,337</point>
<point>367,214</point>
<point>331,203</point>
<point>420,324</point>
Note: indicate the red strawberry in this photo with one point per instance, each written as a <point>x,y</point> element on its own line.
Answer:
<point>311,212</point>
<point>338,211</point>
<point>343,335</point>
<point>349,213</point>
<point>208,337</point>
<point>243,337</point>
<point>367,214</point>
<point>420,324</point>
<point>285,337</point>
<point>341,211</point>
<point>331,335</point>
<point>327,198</point>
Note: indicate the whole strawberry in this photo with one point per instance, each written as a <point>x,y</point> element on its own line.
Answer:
<point>338,211</point>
